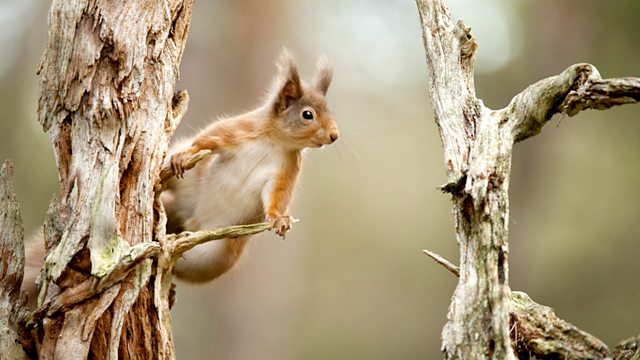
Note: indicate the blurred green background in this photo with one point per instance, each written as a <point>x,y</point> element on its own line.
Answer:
<point>350,281</point>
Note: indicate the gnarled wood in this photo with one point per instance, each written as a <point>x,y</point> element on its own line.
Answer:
<point>628,349</point>
<point>478,144</point>
<point>577,88</point>
<point>12,311</point>
<point>538,333</point>
<point>107,85</point>
<point>478,160</point>
<point>137,259</point>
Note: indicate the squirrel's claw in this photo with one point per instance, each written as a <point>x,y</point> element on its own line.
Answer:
<point>281,224</point>
<point>176,164</point>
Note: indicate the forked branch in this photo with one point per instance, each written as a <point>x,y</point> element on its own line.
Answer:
<point>536,331</point>
<point>478,145</point>
<point>577,88</point>
<point>177,244</point>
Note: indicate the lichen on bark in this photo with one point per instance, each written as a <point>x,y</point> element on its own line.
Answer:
<point>108,80</point>
<point>478,144</point>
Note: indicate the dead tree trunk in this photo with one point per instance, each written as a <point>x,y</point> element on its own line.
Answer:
<point>12,312</point>
<point>108,102</point>
<point>107,84</point>
<point>478,144</point>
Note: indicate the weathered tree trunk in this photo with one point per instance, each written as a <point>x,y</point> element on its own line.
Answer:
<point>108,79</point>
<point>12,311</point>
<point>478,144</point>
<point>109,104</point>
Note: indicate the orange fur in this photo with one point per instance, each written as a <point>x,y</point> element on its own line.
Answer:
<point>253,170</point>
<point>280,194</point>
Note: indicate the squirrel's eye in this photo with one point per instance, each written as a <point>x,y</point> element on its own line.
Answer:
<point>307,115</point>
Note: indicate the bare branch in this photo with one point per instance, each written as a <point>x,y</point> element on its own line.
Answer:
<point>628,349</point>
<point>187,240</point>
<point>177,245</point>
<point>168,172</point>
<point>577,88</point>
<point>455,270</point>
<point>602,94</point>
<point>478,144</point>
<point>538,332</point>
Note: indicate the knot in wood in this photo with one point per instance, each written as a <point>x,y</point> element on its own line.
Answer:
<point>468,44</point>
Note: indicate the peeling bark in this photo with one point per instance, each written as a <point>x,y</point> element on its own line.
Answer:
<point>107,85</point>
<point>628,349</point>
<point>538,333</point>
<point>12,310</point>
<point>478,144</point>
<point>477,157</point>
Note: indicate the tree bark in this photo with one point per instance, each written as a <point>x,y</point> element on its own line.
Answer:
<point>107,85</point>
<point>478,144</point>
<point>12,311</point>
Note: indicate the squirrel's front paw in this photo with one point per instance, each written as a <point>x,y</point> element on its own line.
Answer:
<point>177,161</point>
<point>281,224</point>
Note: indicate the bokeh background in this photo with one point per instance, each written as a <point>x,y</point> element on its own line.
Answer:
<point>350,281</point>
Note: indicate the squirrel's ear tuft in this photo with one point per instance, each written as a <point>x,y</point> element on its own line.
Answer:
<point>288,86</point>
<point>324,73</point>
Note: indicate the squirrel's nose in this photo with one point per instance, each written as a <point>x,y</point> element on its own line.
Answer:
<point>333,136</point>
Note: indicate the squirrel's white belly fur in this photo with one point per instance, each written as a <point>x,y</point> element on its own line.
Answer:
<point>235,185</point>
<point>250,176</point>
<point>232,194</point>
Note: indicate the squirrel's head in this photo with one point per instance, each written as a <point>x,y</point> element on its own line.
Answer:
<point>301,114</point>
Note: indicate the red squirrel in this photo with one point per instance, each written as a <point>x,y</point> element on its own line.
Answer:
<point>250,176</point>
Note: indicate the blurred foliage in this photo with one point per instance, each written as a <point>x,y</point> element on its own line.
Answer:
<point>350,280</point>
